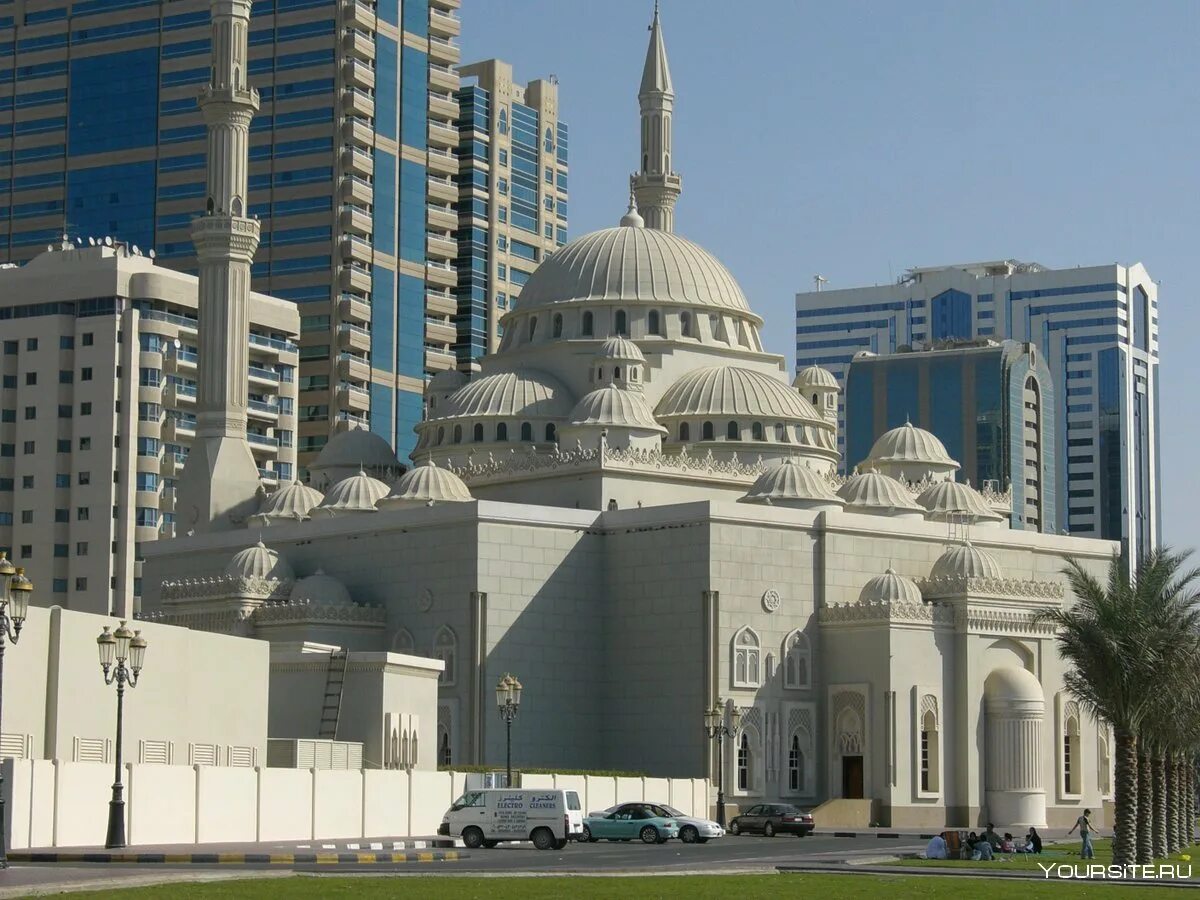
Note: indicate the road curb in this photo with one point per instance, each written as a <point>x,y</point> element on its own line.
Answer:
<point>882,835</point>
<point>362,858</point>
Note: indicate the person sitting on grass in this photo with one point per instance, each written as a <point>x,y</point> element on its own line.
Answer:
<point>991,837</point>
<point>982,850</point>
<point>968,846</point>
<point>1033,841</point>
<point>1007,845</point>
<point>936,848</point>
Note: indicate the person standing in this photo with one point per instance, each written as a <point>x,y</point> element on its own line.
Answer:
<point>1084,824</point>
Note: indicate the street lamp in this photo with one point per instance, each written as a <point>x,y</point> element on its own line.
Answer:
<point>508,699</point>
<point>15,589</point>
<point>116,647</point>
<point>716,730</point>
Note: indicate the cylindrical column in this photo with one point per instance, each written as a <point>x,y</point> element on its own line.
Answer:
<point>1013,761</point>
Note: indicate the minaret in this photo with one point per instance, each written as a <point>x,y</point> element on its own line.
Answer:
<point>655,185</point>
<point>219,484</point>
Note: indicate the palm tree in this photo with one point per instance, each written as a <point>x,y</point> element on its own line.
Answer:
<point>1122,639</point>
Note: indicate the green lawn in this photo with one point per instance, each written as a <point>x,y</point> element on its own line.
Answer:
<point>699,887</point>
<point>1057,854</point>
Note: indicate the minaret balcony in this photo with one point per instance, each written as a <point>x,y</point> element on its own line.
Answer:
<point>358,14</point>
<point>354,398</point>
<point>359,162</point>
<point>354,308</point>
<point>354,337</point>
<point>359,74</point>
<point>357,102</point>
<point>355,278</point>
<point>356,220</point>
<point>359,44</point>
<point>444,23</point>
<point>358,131</point>
<point>357,190</point>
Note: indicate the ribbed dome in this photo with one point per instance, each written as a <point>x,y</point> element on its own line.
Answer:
<point>356,448</point>
<point>525,394</point>
<point>965,561</point>
<point>890,588</point>
<point>320,589</point>
<point>815,376</point>
<point>619,349</point>
<point>951,499</point>
<point>613,406</point>
<point>732,391</point>
<point>909,444</point>
<point>792,483</point>
<point>874,492</point>
<point>259,563</point>
<point>426,484</point>
<point>293,502</point>
<point>633,265</point>
<point>355,494</point>
<point>445,381</point>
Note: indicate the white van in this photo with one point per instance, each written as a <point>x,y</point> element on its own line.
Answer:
<point>484,818</point>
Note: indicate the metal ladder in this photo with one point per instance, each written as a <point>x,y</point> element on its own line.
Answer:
<point>335,683</point>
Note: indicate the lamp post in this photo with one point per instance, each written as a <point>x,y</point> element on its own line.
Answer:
<point>508,699</point>
<point>115,649</point>
<point>15,589</point>
<point>716,730</point>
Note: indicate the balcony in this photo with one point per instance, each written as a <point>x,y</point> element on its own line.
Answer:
<point>356,278</point>
<point>353,367</point>
<point>358,162</point>
<point>359,74</point>
<point>443,104</point>
<point>442,135</point>
<point>358,44</point>
<point>179,394</point>
<point>443,189</point>
<point>355,248</point>
<point>344,421</point>
<point>261,409</point>
<point>357,14</point>
<point>439,246</point>
<point>358,131</point>
<point>353,397</point>
<point>179,361</point>
<point>260,443</point>
<point>443,23</point>
<point>357,190</point>
<point>443,77</point>
<point>444,52</point>
<point>354,308</point>
<point>354,337</point>
<point>440,273</point>
<point>181,321</point>
<point>267,475</point>
<point>263,376</point>
<point>442,161</point>
<point>356,220</point>
<point>441,303</point>
<point>275,344</point>
<point>439,360</point>
<point>357,102</point>
<point>440,331</point>
<point>177,428</point>
<point>442,216</point>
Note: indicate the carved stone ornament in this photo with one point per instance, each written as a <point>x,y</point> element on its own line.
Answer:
<point>425,600</point>
<point>770,600</point>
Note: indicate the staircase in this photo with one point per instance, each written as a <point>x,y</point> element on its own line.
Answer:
<point>335,683</point>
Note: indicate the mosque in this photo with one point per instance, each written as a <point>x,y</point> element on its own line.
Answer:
<point>633,509</point>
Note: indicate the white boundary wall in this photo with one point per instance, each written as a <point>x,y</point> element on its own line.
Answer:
<point>52,803</point>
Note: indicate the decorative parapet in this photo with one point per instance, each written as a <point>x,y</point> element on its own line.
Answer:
<point>1018,588</point>
<point>223,621</point>
<point>306,612</point>
<point>865,613</point>
<point>1002,621</point>
<point>225,587</point>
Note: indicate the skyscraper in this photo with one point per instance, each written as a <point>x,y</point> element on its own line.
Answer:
<point>351,166</point>
<point>512,195</point>
<point>1096,327</point>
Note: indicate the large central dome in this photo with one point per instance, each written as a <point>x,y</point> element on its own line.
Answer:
<point>633,265</point>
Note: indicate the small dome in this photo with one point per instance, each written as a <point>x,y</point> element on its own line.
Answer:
<point>1011,683</point>
<point>527,393</point>
<point>426,484</point>
<point>815,376</point>
<point>874,492</point>
<point>355,494</point>
<point>293,502</point>
<point>720,391</point>
<point>613,406</point>
<point>354,449</point>
<point>792,483</point>
<point>620,349</point>
<point>890,588</point>
<point>320,589</point>
<point>445,382</point>
<point>951,499</point>
<point>909,444</point>
<point>965,561</point>
<point>633,265</point>
<point>259,563</point>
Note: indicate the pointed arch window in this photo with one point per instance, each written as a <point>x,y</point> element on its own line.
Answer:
<point>402,641</point>
<point>526,431</point>
<point>1072,782</point>
<point>445,648</point>
<point>745,761</point>
<point>502,431</point>
<point>746,654</point>
<point>444,754</point>
<point>502,121</point>
<point>685,431</point>
<point>796,764</point>
<point>548,141</point>
<point>797,661</point>
<point>558,325</point>
<point>588,324</point>
<point>930,752</point>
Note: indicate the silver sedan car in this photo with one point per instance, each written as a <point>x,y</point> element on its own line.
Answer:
<point>692,830</point>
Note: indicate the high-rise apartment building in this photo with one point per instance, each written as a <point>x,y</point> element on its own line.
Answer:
<point>98,413</point>
<point>1096,327</point>
<point>512,195</point>
<point>990,403</point>
<point>352,167</point>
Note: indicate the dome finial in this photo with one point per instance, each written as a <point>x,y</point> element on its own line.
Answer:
<point>632,218</point>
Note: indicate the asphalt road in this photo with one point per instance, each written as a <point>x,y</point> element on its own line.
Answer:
<point>727,854</point>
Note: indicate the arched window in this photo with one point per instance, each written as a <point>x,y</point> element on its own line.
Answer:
<point>526,431</point>
<point>616,373</point>
<point>477,433</point>
<point>502,122</point>
<point>685,431</point>
<point>652,323</point>
<point>599,373</point>
<point>588,326</point>
<point>551,432</point>
<point>548,143</point>
<point>441,435</point>
<point>930,746</point>
<point>746,649</point>
<point>797,661</point>
<point>558,325</point>
<point>502,431</point>
<point>743,763</point>
<point>706,431</point>
<point>1072,783</point>
<point>445,648</point>
<point>458,434</point>
<point>796,765</point>
<point>532,327</point>
<point>443,746</point>
<point>402,641</point>
<point>780,433</point>
<point>622,322</point>
<point>756,431</point>
<point>1103,763</point>
<point>732,432</point>
<point>685,324</point>
<point>814,399</point>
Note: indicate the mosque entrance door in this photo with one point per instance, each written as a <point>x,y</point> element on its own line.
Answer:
<point>852,777</point>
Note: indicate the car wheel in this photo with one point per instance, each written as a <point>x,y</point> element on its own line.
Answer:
<point>734,827</point>
<point>472,837</point>
<point>560,843</point>
<point>701,840</point>
<point>688,834</point>
<point>543,838</point>
<point>588,836</point>
<point>491,845</point>
<point>649,835</point>
<point>769,830</point>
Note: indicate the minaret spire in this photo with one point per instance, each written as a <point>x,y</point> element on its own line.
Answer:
<point>655,185</point>
<point>219,484</point>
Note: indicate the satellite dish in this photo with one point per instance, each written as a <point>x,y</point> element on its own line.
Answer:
<point>107,241</point>
<point>66,237</point>
<point>136,251</point>
<point>49,247</point>
<point>78,242</point>
<point>91,242</point>
<point>152,254</point>
<point>177,345</point>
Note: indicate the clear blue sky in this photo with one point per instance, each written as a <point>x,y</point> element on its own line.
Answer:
<point>858,139</point>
